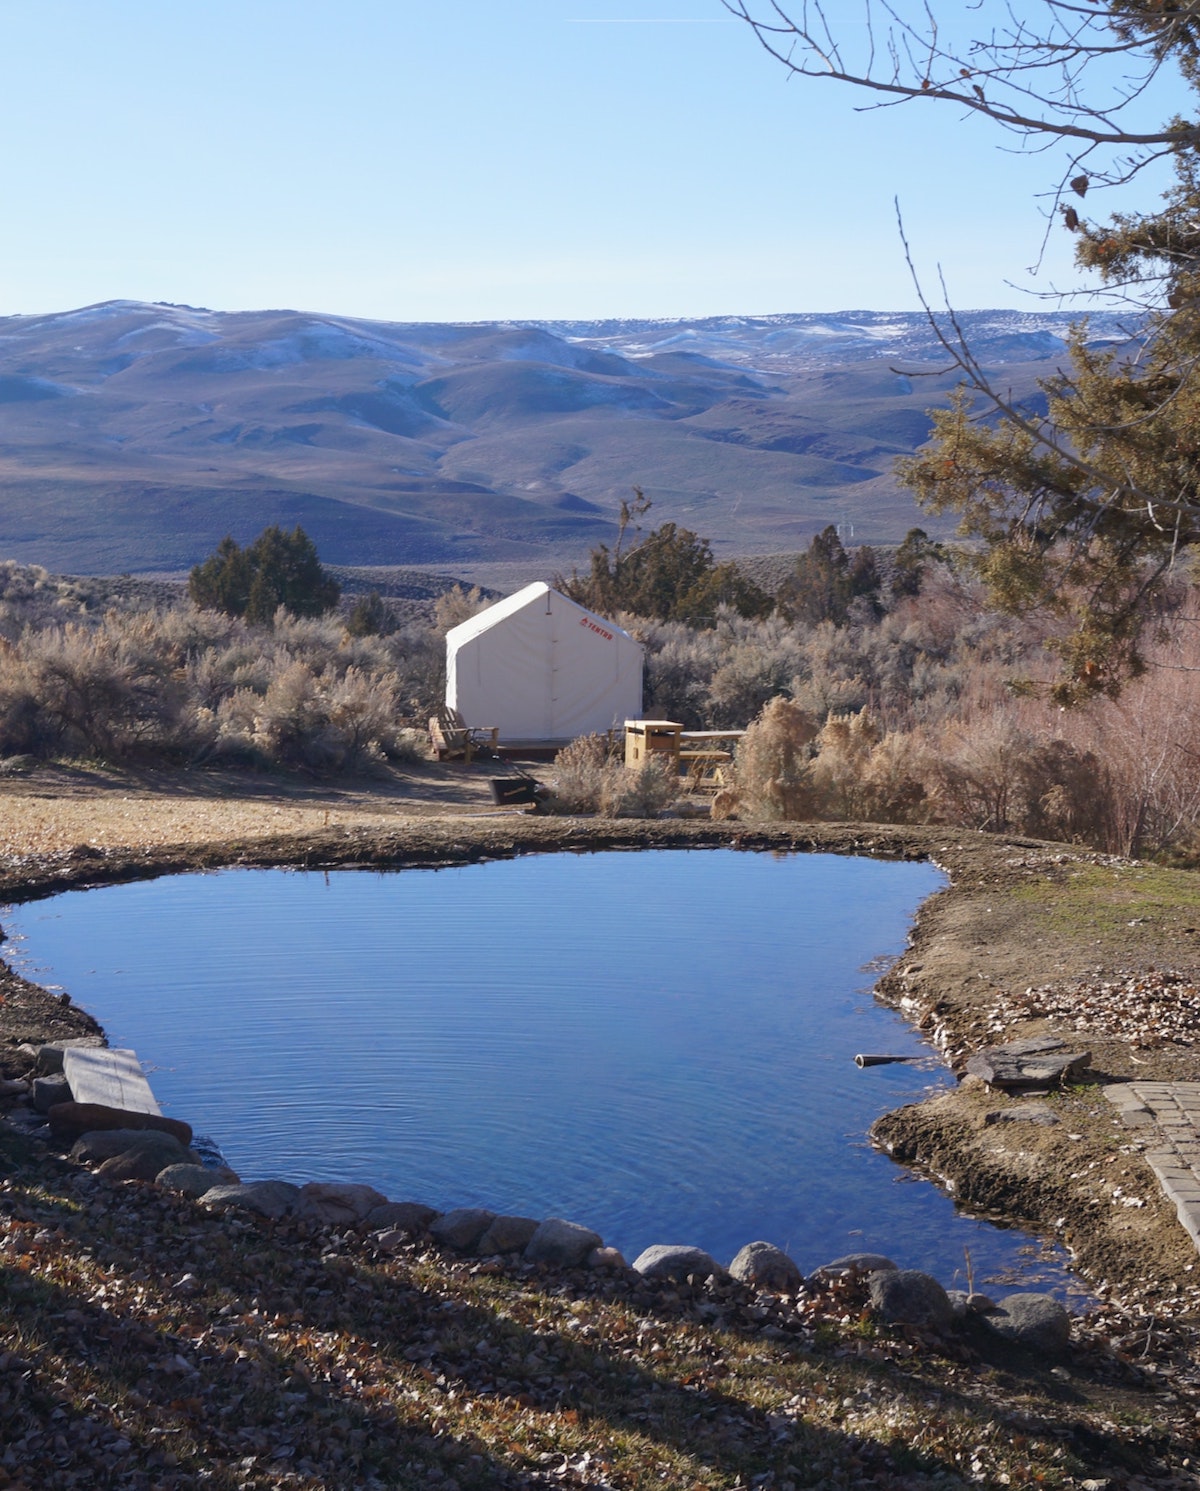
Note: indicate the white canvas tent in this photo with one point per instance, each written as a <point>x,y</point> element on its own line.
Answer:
<point>542,668</point>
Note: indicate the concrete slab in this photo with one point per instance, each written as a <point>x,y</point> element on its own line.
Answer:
<point>113,1079</point>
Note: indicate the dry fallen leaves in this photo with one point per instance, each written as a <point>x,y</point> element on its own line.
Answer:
<point>1151,1008</point>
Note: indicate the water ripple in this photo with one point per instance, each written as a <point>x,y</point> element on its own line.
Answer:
<point>659,1044</point>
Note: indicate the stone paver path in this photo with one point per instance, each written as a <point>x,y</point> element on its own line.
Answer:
<point>1172,1110</point>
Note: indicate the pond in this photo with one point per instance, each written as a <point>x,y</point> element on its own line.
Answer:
<point>658,1044</point>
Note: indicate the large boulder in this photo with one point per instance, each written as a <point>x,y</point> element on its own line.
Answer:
<point>611,1259</point>
<point>50,1056</point>
<point>1036,1321</point>
<point>855,1263</point>
<point>463,1227</point>
<point>906,1296</point>
<point>339,1205</point>
<point>565,1243</point>
<point>137,1163</point>
<point>676,1261</point>
<point>765,1266</point>
<point>69,1120</point>
<point>96,1148</point>
<point>966,1306</point>
<point>507,1235</point>
<point>195,1180</point>
<point>1032,1065</point>
<point>406,1217</point>
<point>266,1198</point>
<point>49,1091</point>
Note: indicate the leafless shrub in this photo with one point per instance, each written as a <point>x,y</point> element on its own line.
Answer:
<point>1147,745</point>
<point>457,605</point>
<point>997,773</point>
<point>920,719</point>
<point>822,695</point>
<point>749,676</point>
<point>108,692</point>
<point>678,671</point>
<point>327,721</point>
<point>192,685</point>
<point>980,771</point>
<point>25,728</point>
<point>580,771</point>
<point>361,713</point>
<point>892,788</point>
<point>847,769</point>
<point>725,805</point>
<point>407,746</point>
<point>839,771</point>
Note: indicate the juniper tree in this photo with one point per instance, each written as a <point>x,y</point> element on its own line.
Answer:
<point>910,561</point>
<point>1084,510</point>
<point>671,575</point>
<point>277,569</point>
<point>826,580</point>
<point>370,617</point>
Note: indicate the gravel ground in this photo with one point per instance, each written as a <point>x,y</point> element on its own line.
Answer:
<point>55,809</point>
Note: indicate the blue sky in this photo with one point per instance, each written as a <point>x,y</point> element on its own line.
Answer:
<point>478,159</point>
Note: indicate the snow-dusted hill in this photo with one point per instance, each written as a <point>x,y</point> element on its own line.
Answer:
<point>791,343</point>
<point>133,436</point>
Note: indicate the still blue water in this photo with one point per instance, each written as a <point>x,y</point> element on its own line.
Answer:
<point>657,1044</point>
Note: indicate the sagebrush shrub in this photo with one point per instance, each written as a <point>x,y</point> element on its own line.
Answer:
<point>906,718</point>
<point>638,792</point>
<point>589,779</point>
<point>579,774</point>
<point>774,774</point>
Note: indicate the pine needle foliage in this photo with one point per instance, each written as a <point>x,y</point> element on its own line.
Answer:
<point>671,575</point>
<point>277,569</point>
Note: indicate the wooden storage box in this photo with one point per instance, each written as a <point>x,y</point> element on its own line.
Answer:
<point>646,738</point>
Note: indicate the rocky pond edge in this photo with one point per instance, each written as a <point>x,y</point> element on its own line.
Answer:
<point>158,1151</point>
<point>973,861</point>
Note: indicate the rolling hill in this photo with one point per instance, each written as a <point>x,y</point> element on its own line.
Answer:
<point>133,436</point>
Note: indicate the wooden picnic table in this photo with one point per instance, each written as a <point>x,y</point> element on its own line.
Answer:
<point>701,756</point>
<point>698,755</point>
<point>711,735</point>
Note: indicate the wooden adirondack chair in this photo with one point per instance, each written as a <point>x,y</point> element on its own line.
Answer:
<point>451,737</point>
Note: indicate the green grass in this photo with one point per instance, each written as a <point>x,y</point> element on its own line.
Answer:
<point>1103,899</point>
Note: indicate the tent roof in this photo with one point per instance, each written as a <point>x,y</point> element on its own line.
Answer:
<point>474,626</point>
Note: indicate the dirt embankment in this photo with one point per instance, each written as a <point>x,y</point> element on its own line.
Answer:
<point>1044,940</point>
<point>1026,938</point>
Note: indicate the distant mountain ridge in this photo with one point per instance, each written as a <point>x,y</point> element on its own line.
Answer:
<point>794,341</point>
<point>133,436</point>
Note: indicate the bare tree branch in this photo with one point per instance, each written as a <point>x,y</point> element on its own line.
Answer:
<point>1033,83</point>
<point>1039,432</point>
